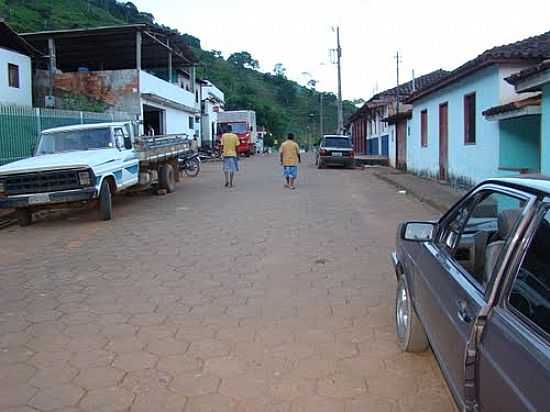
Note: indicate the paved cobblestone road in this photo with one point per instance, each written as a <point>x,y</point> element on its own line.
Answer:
<point>256,299</point>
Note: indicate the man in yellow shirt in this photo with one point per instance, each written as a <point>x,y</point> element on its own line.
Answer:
<point>290,157</point>
<point>230,141</point>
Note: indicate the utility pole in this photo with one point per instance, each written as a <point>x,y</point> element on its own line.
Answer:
<point>397,97</point>
<point>339,58</point>
<point>321,131</point>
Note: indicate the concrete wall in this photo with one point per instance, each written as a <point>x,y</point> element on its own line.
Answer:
<point>99,91</point>
<point>520,143</point>
<point>545,131</point>
<point>21,96</point>
<point>467,164</point>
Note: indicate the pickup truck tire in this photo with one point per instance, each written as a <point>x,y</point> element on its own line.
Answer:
<point>105,201</point>
<point>411,333</point>
<point>167,178</point>
<point>24,217</point>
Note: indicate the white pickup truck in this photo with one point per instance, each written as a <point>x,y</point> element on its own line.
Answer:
<point>75,166</point>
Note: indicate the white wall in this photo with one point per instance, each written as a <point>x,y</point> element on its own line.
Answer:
<point>507,91</point>
<point>152,84</point>
<point>21,96</point>
<point>176,121</point>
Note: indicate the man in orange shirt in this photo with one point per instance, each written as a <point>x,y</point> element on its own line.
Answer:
<point>290,157</point>
<point>230,141</point>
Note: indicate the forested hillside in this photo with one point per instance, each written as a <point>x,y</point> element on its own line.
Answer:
<point>281,104</point>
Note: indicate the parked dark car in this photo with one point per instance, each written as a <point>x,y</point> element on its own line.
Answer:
<point>475,286</point>
<point>335,150</point>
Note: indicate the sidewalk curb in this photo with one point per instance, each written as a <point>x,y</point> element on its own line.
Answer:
<point>439,206</point>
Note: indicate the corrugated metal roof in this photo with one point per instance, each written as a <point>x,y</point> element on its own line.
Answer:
<point>9,39</point>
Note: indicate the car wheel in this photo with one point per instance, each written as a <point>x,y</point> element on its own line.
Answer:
<point>24,217</point>
<point>105,201</point>
<point>411,334</point>
<point>167,178</point>
<point>319,164</point>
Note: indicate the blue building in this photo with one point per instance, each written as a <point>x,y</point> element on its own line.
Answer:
<point>535,79</point>
<point>375,128</point>
<point>450,137</point>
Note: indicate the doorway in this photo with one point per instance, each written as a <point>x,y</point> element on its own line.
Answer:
<point>443,140</point>
<point>153,117</point>
<point>401,131</point>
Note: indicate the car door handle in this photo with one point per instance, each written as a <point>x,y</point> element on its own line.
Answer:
<point>462,313</point>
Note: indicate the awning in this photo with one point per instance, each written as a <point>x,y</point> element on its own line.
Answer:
<point>404,115</point>
<point>529,106</point>
<point>155,98</point>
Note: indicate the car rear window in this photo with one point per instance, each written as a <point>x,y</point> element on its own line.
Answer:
<point>337,142</point>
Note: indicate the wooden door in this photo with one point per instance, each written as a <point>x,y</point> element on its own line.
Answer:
<point>402,144</point>
<point>443,140</point>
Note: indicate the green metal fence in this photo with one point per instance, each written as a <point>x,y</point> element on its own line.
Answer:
<point>21,126</point>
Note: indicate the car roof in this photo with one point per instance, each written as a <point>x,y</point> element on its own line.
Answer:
<point>533,183</point>
<point>83,127</point>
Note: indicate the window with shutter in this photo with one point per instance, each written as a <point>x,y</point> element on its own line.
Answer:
<point>470,119</point>
<point>424,128</point>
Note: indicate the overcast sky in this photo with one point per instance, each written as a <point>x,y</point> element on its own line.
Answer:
<point>429,34</point>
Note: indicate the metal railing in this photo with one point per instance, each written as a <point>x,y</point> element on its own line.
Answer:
<point>20,126</point>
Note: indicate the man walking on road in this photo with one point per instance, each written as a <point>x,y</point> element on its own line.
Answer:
<point>230,141</point>
<point>290,157</point>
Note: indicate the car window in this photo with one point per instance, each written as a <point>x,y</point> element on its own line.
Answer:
<point>337,142</point>
<point>476,233</point>
<point>530,292</point>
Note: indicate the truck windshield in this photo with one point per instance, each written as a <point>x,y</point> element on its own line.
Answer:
<point>74,140</point>
<point>240,127</point>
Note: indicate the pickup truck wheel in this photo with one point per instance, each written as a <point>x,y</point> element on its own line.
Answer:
<point>24,217</point>
<point>411,334</point>
<point>167,179</point>
<point>105,201</point>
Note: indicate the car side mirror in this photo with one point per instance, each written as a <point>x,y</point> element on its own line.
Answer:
<point>418,231</point>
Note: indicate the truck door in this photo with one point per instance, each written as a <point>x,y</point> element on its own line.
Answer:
<point>455,271</point>
<point>127,173</point>
<point>514,353</point>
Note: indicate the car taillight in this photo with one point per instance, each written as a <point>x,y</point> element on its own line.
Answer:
<point>352,154</point>
<point>323,152</point>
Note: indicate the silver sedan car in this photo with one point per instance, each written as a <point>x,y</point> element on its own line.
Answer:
<point>335,150</point>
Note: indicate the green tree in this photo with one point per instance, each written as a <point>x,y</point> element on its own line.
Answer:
<point>243,59</point>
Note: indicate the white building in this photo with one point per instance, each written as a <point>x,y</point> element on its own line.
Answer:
<point>146,71</point>
<point>213,101</point>
<point>15,68</point>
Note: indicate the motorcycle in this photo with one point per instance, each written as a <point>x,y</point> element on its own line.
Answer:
<point>190,164</point>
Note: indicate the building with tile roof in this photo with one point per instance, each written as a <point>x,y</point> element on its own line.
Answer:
<point>473,124</point>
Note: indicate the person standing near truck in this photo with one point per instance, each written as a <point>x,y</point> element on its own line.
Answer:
<point>290,157</point>
<point>230,141</point>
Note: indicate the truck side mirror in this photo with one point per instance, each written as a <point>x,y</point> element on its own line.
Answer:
<point>127,142</point>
